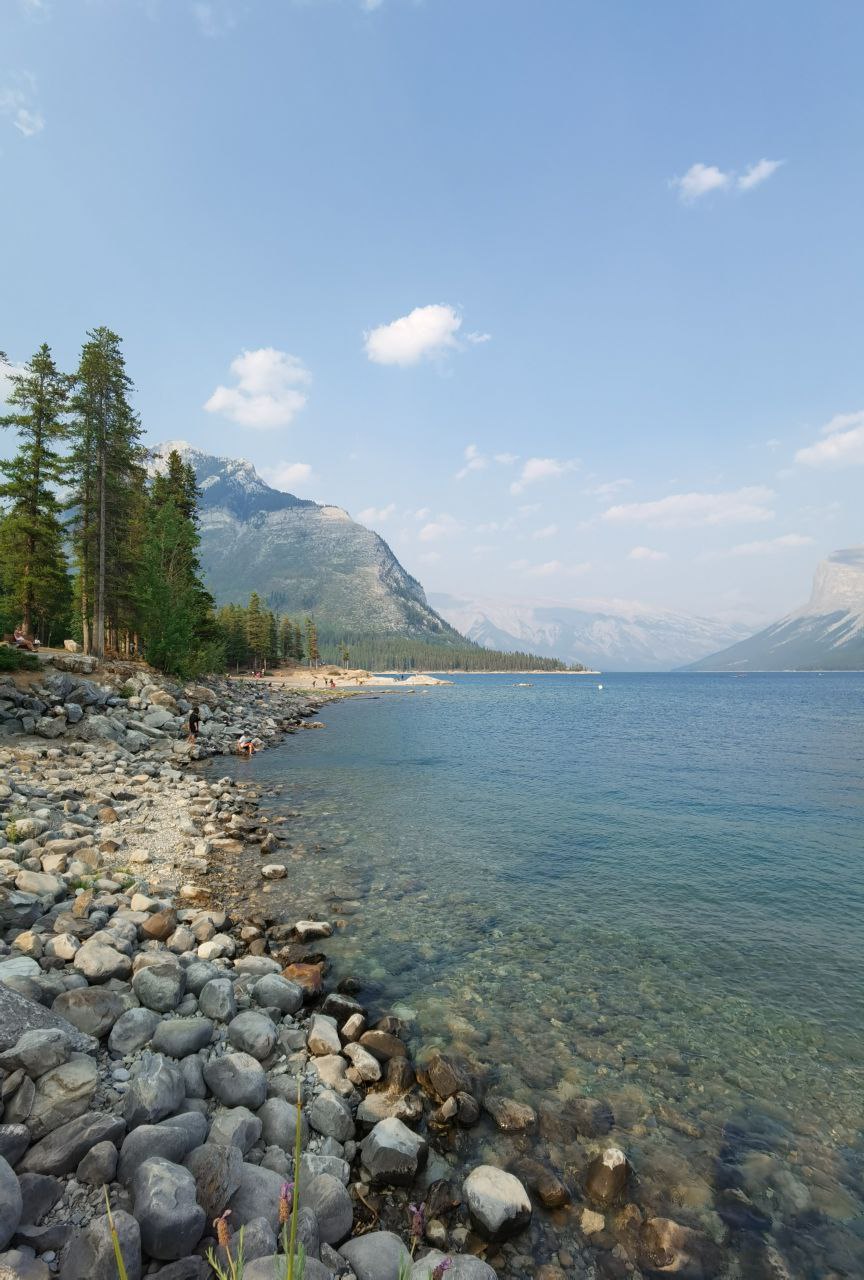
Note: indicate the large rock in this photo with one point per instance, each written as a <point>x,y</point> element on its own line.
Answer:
<point>235,1127</point>
<point>171,1220</point>
<point>257,1196</point>
<point>99,962</point>
<point>497,1202</point>
<point>10,1203</point>
<point>322,1037</point>
<point>36,1052</point>
<point>178,1037</point>
<point>90,1254</point>
<point>14,1141</point>
<point>668,1248</point>
<point>62,1094</point>
<point>279,1124</point>
<point>376,1256</point>
<point>93,1010</point>
<point>331,1204</point>
<point>154,1091</point>
<point>606,1177</point>
<point>252,1033</point>
<point>217,999</point>
<point>267,1268</point>
<point>170,1142</point>
<point>445,1076</point>
<point>329,1114</point>
<point>39,1193</point>
<point>275,992</point>
<point>462,1267</point>
<point>132,1030</point>
<point>237,1080</point>
<point>160,986</point>
<point>217,1171</point>
<point>62,1151</point>
<point>392,1154</point>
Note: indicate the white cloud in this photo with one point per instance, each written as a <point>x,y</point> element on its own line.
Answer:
<point>474,461</point>
<point>506,459</point>
<point>18,104</point>
<point>768,546</point>
<point>550,568</point>
<point>548,531</point>
<point>843,445</point>
<point>477,339</point>
<point>607,490</point>
<point>267,393</point>
<point>425,331</point>
<point>541,469</point>
<point>422,513</point>
<point>739,506</point>
<point>759,172</point>
<point>287,475</point>
<point>376,515</point>
<point>647,553</point>
<point>699,180</point>
<point>444,527</point>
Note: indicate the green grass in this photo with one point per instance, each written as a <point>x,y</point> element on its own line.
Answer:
<point>17,659</point>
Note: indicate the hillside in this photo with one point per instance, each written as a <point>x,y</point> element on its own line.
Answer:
<point>614,635</point>
<point>300,556</point>
<point>826,634</point>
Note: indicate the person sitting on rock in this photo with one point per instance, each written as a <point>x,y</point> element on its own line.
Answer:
<point>21,641</point>
<point>246,745</point>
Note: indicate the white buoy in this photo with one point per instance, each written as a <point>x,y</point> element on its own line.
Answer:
<point>599,686</point>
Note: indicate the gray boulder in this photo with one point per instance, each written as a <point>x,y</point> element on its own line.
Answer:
<point>171,1220</point>
<point>36,1052</point>
<point>237,1080</point>
<point>167,1141</point>
<point>235,1127</point>
<point>90,1254</point>
<point>330,1202</point>
<point>62,1094</point>
<point>14,1141</point>
<point>279,1124</point>
<point>275,992</point>
<point>252,1033</point>
<point>18,1015</point>
<point>154,1091</point>
<point>100,963</point>
<point>266,1268</point>
<point>313,1163</point>
<point>217,999</point>
<point>198,974</point>
<point>178,1037</point>
<point>132,1030</point>
<point>99,1166</point>
<point>259,1241</point>
<point>329,1114</point>
<point>376,1256</point>
<point>497,1202</point>
<point>10,1203</point>
<point>63,1150</point>
<point>257,1196</point>
<point>93,1010</point>
<point>39,1193</point>
<point>392,1154</point>
<point>463,1266</point>
<point>160,986</point>
<point>217,1171</point>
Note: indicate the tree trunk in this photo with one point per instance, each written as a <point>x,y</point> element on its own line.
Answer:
<point>99,622</point>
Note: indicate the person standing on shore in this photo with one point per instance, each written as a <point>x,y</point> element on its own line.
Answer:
<point>194,725</point>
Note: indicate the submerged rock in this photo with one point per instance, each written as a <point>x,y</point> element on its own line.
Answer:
<point>606,1177</point>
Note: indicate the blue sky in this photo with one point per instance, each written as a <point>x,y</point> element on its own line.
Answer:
<point>563,298</point>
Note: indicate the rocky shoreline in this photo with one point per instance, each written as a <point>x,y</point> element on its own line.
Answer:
<point>153,1032</point>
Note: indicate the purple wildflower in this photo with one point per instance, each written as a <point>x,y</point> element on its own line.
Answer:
<point>418,1220</point>
<point>444,1265</point>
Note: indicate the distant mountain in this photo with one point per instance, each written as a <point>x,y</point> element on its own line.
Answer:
<point>827,634</point>
<point>615,635</point>
<point>301,557</point>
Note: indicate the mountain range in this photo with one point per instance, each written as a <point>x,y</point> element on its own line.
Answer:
<point>826,634</point>
<point>301,557</point>
<point>616,635</point>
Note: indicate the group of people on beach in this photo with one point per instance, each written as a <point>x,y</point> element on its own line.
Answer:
<point>246,745</point>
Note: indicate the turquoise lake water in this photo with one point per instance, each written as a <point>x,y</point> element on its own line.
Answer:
<point>651,893</point>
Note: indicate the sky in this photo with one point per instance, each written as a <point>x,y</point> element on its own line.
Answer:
<point>562,298</point>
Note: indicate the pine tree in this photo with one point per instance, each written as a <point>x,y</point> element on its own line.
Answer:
<point>105,465</point>
<point>34,571</point>
<point>312,643</point>
<point>257,630</point>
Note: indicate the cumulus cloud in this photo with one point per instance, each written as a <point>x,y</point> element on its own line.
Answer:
<point>425,331</point>
<point>287,475</point>
<point>738,506</point>
<point>701,179</point>
<point>767,546</point>
<point>647,553</point>
<point>377,515</point>
<point>842,446</point>
<point>444,526</point>
<point>761,171</point>
<point>506,459</point>
<point>548,531</point>
<point>18,104</point>
<point>474,461</point>
<point>268,391</point>
<point>536,469</point>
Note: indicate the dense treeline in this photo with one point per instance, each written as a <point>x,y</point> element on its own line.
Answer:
<point>88,549</point>
<point>392,652</point>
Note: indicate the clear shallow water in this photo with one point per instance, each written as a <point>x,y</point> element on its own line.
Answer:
<point>652,894</point>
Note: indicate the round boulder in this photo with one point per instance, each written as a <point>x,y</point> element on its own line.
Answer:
<point>10,1203</point>
<point>171,1220</point>
<point>252,1033</point>
<point>237,1080</point>
<point>497,1202</point>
